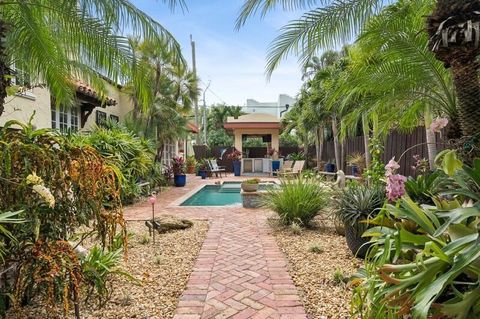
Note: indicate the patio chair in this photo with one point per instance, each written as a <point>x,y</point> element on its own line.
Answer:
<point>287,167</point>
<point>296,170</point>
<point>215,169</point>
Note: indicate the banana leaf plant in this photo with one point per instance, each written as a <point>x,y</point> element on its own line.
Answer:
<point>425,260</point>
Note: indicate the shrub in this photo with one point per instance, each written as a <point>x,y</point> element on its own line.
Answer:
<point>297,201</point>
<point>59,186</point>
<point>132,155</point>
<point>359,202</point>
<point>422,188</point>
<point>424,259</point>
<point>99,268</point>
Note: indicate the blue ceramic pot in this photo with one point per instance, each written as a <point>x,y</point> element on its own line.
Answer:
<point>180,180</point>
<point>237,168</point>
<point>330,168</point>
<point>203,174</point>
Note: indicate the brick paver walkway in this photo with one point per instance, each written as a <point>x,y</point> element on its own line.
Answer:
<point>240,271</point>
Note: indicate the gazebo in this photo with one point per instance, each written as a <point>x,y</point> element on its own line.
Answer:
<point>265,126</point>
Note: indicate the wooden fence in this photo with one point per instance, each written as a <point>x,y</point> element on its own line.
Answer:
<point>396,144</point>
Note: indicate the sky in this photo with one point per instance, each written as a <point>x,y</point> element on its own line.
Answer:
<point>232,61</point>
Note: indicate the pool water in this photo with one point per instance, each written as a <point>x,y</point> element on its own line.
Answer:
<point>227,194</point>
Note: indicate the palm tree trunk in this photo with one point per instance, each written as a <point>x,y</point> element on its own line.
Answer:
<point>366,140</point>
<point>5,71</point>
<point>467,85</point>
<point>319,147</point>
<point>336,145</point>
<point>431,146</point>
<point>431,139</point>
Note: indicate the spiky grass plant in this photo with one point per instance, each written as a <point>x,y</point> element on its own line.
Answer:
<point>297,200</point>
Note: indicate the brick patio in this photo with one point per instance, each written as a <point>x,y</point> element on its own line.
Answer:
<point>240,272</point>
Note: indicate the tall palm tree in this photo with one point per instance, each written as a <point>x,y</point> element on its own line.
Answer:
<point>452,27</point>
<point>57,41</point>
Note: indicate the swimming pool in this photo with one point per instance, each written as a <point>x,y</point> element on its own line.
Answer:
<point>226,194</point>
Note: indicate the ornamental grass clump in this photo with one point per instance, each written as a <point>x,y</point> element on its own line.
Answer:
<point>297,201</point>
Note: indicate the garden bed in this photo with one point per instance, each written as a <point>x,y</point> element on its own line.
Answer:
<point>320,263</point>
<point>163,270</point>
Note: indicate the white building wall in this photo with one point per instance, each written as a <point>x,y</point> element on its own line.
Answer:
<point>272,108</point>
<point>21,107</point>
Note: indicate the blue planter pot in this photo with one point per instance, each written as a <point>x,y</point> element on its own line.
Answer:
<point>355,170</point>
<point>237,168</point>
<point>330,168</point>
<point>275,165</point>
<point>203,174</point>
<point>180,180</point>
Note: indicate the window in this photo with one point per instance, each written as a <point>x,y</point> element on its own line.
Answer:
<point>64,119</point>
<point>74,119</point>
<point>54,118</point>
<point>169,152</point>
<point>114,118</point>
<point>101,118</point>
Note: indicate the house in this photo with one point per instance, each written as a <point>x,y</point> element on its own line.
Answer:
<point>89,111</point>
<point>273,108</point>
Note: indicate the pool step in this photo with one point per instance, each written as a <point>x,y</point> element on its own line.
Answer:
<point>229,188</point>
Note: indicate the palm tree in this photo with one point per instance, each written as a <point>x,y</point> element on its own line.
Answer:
<point>57,41</point>
<point>454,33</point>
<point>329,23</point>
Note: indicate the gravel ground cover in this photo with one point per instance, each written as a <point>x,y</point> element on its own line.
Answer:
<point>319,262</point>
<point>162,269</point>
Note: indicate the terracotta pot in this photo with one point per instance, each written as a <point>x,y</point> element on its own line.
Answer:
<point>249,187</point>
<point>191,170</point>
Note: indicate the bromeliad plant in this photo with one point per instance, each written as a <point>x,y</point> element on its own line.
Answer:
<point>425,260</point>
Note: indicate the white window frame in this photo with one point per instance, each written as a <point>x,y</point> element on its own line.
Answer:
<point>70,119</point>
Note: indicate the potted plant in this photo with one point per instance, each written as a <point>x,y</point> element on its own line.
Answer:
<point>191,163</point>
<point>202,169</point>
<point>250,185</point>
<point>179,170</point>
<point>330,167</point>
<point>356,205</point>
<point>236,156</point>
<point>356,162</point>
<point>273,154</point>
<point>168,174</point>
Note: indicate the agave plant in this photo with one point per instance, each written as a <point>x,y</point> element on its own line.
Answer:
<point>425,260</point>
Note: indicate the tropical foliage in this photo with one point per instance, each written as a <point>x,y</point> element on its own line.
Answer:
<point>297,201</point>
<point>132,155</point>
<point>57,186</point>
<point>55,41</point>
<point>424,259</point>
<point>401,58</point>
<point>216,118</point>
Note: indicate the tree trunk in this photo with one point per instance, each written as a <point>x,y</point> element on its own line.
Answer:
<point>431,139</point>
<point>5,71</point>
<point>319,145</point>
<point>431,147</point>
<point>467,85</point>
<point>335,142</point>
<point>366,141</point>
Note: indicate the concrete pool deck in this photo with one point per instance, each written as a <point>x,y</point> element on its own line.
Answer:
<point>240,272</point>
